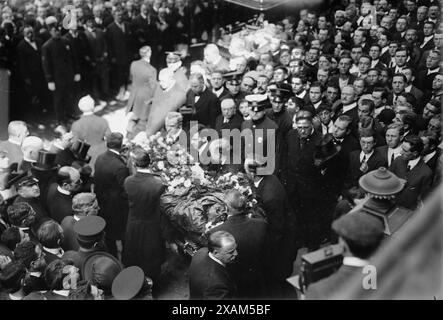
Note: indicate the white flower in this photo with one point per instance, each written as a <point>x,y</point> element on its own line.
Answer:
<point>187,183</point>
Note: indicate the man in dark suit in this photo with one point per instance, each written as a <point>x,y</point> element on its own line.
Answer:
<point>366,160</point>
<point>144,242</point>
<point>424,78</point>
<point>29,52</point>
<point>99,60</point>
<point>229,119</point>
<point>109,175</point>
<point>341,132</point>
<point>416,172</point>
<point>348,106</point>
<point>431,152</point>
<point>392,149</point>
<point>283,236</point>
<point>118,37</point>
<point>208,277</point>
<point>60,193</point>
<point>250,234</point>
<point>303,178</point>
<point>360,235</point>
<point>428,36</point>
<point>205,104</point>
<point>217,84</point>
<point>61,72</point>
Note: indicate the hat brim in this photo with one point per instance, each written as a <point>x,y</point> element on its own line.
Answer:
<point>323,160</point>
<point>44,168</point>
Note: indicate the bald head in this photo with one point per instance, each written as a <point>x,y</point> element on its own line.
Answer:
<point>31,146</point>
<point>17,131</point>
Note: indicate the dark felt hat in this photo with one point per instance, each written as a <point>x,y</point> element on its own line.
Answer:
<point>128,283</point>
<point>101,268</point>
<point>325,149</point>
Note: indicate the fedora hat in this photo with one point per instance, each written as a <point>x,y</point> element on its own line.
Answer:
<point>45,161</point>
<point>80,150</point>
<point>101,268</point>
<point>325,150</point>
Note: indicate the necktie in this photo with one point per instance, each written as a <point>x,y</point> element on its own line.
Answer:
<point>392,158</point>
<point>408,168</point>
<point>363,165</point>
<point>302,143</point>
<point>225,120</point>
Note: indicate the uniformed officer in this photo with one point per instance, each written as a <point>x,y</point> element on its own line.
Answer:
<point>260,134</point>
<point>131,284</point>
<point>233,81</point>
<point>90,237</point>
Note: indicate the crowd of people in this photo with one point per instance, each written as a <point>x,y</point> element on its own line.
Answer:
<point>343,92</point>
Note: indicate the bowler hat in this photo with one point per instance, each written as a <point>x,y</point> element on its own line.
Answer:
<point>45,161</point>
<point>80,150</point>
<point>326,149</point>
<point>128,283</point>
<point>101,268</point>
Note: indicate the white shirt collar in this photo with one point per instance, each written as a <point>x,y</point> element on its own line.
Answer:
<point>329,127</point>
<point>14,142</point>
<point>218,92</point>
<point>301,95</point>
<point>143,170</point>
<point>88,113</point>
<point>374,63</point>
<point>369,155</point>
<point>384,49</point>
<point>413,163</point>
<point>354,262</point>
<point>33,44</point>
<point>57,145</point>
<point>316,105</point>
<point>428,157</point>
<point>64,293</point>
<point>63,191</point>
<point>216,260</point>
<point>408,88</point>
<point>349,107</point>
<point>29,160</point>
<point>257,183</point>
<point>36,274</point>
<point>76,217</point>
<point>56,251</point>
<point>433,70</point>
<point>113,151</point>
<point>396,152</point>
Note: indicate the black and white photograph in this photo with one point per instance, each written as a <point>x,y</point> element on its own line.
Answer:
<point>248,151</point>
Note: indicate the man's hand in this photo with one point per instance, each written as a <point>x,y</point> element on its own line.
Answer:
<point>51,86</point>
<point>77,77</point>
<point>173,247</point>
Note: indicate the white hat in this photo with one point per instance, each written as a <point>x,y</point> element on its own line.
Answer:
<point>51,20</point>
<point>86,104</point>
